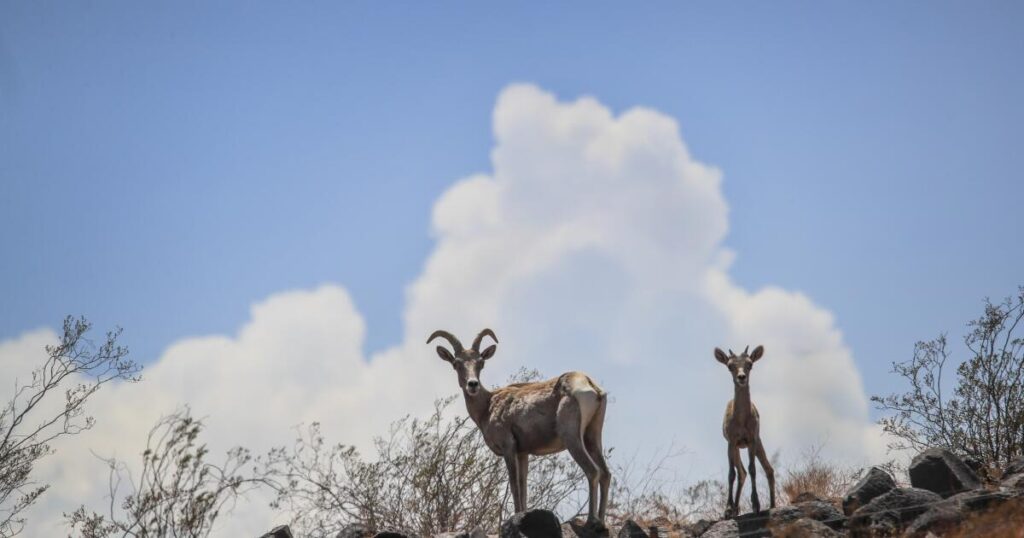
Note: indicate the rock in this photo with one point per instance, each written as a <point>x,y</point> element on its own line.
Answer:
<point>805,528</point>
<point>753,524</point>
<point>631,529</point>
<point>1015,467</point>
<point>821,511</point>
<point>937,520</point>
<point>981,499</point>
<point>817,510</point>
<point>1014,481</point>
<point>890,511</point>
<point>390,534</point>
<point>977,466</point>
<point>874,483</point>
<point>354,530</point>
<point>589,530</point>
<point>784,515</point>
<point>723,529</point>
<point>531,524</point>
<point>941,471</point>
<point>281,531</point>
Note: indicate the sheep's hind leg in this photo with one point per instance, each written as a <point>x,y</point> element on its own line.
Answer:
<point>569,429</point>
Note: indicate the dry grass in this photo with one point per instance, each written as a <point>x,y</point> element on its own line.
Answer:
<point>1004,521</point>
<point>818,477</point>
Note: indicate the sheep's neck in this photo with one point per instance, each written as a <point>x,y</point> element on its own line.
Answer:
<point>479,406</point>
<point>741,403</point>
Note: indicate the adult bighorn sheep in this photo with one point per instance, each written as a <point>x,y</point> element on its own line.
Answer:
<point>545,417</point>
<point>742,429</point>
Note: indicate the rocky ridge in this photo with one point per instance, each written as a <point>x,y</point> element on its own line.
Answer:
<point>945,495</point>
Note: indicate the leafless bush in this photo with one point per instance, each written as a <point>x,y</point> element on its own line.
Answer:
<point>982,415</point>
<point>179,493</point>
<point>816,476</point>
<point>34,416</point>
<point>653,494</point>
<point>429,476</point>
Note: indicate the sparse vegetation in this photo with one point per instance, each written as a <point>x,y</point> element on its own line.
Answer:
<point>813,474</point>
<point>178,492</point>
<point>49,405</point>
<point>428,476</point>
<point>981,414</point>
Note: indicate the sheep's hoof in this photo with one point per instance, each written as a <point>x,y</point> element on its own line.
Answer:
<point>592,528</point>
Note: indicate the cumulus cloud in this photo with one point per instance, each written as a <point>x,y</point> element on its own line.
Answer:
<point>595,243</point>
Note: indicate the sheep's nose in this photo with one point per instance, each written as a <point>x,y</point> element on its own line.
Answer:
<point>472,383</point>
<point>742,377</point>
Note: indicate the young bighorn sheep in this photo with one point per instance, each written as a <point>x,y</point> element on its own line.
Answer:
<point>742,429</point>
<point>564,413</point>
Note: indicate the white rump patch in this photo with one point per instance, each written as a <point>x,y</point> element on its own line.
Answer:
<point>588,398</point>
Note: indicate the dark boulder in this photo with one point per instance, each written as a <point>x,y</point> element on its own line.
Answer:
<point>938,520</point>
<point>589,530</point>
<point>531,524</point>
<point>281,531</point>
<point>753,525</point>
<point>888,512</point>
<point>632,529</point>
<point>941,471</point>
<point>875,482</point>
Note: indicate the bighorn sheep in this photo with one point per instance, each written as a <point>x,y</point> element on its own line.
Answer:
<point>742,429</point>
<point>545,417</point>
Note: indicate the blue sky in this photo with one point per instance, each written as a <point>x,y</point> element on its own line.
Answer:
<point>164,167</point>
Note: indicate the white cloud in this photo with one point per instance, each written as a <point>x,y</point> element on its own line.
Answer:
<point>594,244</point>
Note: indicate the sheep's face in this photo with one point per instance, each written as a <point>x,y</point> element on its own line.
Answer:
<point>468,363</point>
<point>740,365</point>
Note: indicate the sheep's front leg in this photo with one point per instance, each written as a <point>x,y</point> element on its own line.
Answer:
<point>523,469</point>
<point>755,503</point>
<point>730,509</point>
<point>512,463</point>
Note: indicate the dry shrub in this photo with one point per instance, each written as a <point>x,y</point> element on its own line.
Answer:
<point>428,476</point>
<point>654,496</point>
<point>1004,521</point>
<point>816,476</point>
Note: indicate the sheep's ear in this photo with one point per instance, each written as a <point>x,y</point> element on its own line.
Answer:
<point>445,354</point>
<point>489,352</point>
<point>720,355</point>
<point>758,351</point>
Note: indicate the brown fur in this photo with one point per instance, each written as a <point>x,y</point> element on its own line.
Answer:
<point>741,428</point>
<point>540,418</point>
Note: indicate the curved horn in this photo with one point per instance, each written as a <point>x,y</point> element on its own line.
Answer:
<point>480,338</point>
<point>456,345</point>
